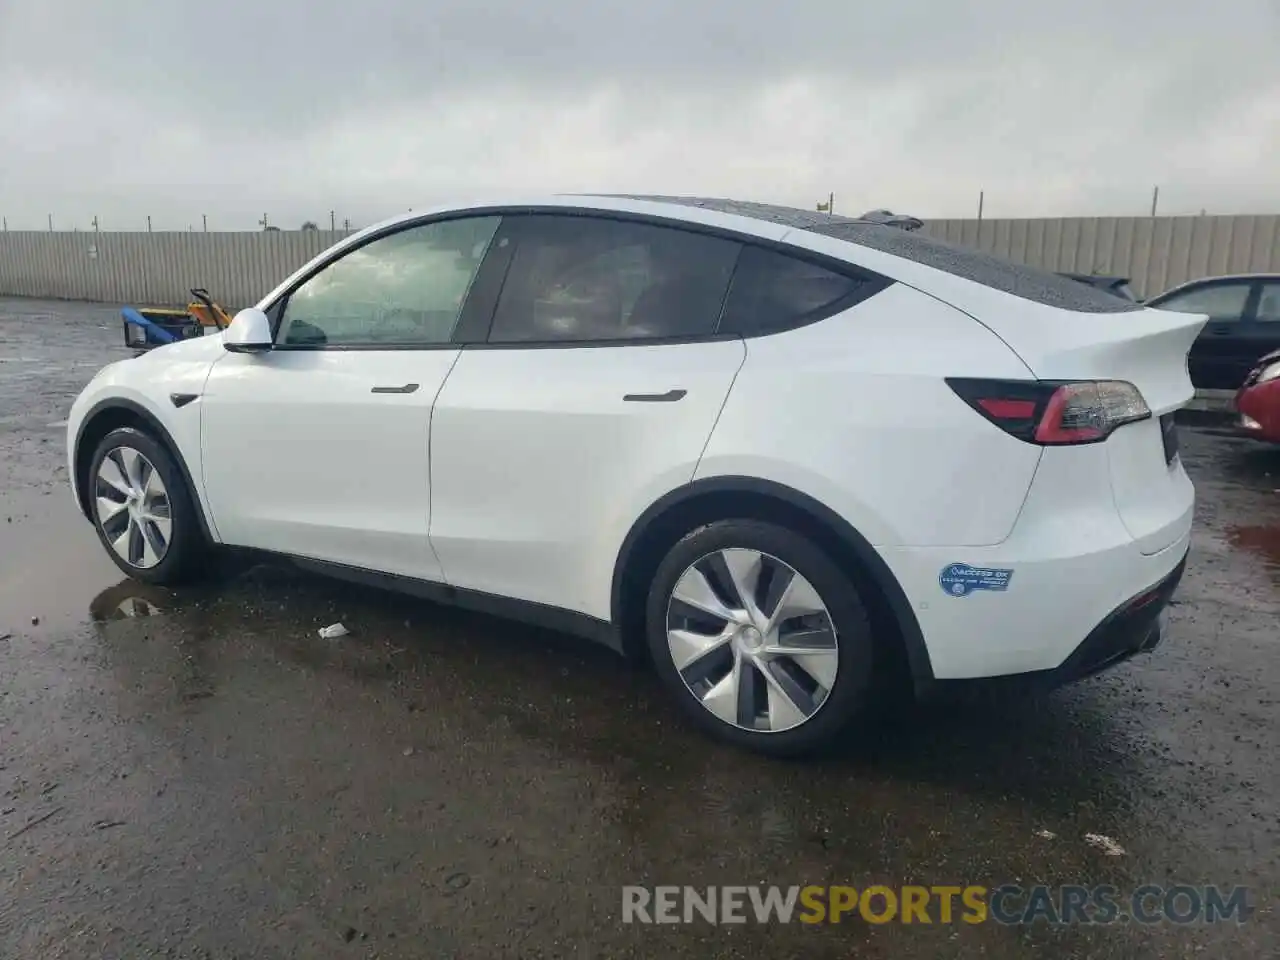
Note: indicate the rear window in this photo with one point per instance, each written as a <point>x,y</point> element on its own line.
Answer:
<point>1030,283</point>
<point>772,291</point>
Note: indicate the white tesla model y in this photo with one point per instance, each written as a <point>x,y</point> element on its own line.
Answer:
<point>774,451</point>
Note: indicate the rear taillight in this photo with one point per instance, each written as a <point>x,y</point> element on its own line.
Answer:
<point>1054,413</point>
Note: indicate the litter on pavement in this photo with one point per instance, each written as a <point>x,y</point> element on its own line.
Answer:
<point>1105,844</point>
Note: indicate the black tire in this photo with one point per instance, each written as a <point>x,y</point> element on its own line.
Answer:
<point>847,695</point>
<point>187,547</point>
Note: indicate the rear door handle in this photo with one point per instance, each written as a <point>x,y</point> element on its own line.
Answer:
<point>671,396</point>
<point>407,388</point>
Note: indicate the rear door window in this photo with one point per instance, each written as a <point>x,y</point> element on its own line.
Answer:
<point>577,279</point>
<point>772,291</point>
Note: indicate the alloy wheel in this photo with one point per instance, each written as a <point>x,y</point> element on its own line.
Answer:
<point>133,507</point>
<point>752,640</point>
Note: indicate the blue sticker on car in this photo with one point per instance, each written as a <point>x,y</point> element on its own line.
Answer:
<point>961,579</point>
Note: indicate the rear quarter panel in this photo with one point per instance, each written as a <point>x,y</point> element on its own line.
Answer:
<point>855,412</point>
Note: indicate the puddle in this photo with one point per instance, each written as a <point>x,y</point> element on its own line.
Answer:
<point>51,563</point>
<point>1263,541</point>
<point>128,600</point>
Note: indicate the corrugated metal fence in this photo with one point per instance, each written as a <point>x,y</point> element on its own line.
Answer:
<point>239,268</point>
<point>1155,253</point>
<point>154,269</point>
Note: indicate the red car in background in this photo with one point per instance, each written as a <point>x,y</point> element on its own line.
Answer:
<point>1258,399</point>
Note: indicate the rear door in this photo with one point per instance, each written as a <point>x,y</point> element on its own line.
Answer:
<point>1217,358</point>
<point>592,395</point>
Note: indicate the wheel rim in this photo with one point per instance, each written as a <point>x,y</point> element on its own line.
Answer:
<point>133,508</point>
<point>752,640</point>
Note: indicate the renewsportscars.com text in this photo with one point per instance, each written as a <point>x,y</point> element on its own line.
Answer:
<point>1008,904</point>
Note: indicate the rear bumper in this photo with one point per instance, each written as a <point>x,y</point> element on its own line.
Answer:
<point>1133,627</point>
<point>1060,593</point>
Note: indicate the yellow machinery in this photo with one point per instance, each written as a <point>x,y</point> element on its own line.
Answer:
<point>149,327</point>
<point>206,312</point>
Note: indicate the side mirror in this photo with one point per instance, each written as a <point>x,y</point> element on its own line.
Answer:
<point>249,332</point>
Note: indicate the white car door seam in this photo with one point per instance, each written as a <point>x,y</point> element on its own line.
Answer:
<point>444,574</point>
<point>723,403</point>
<point>206,504</point>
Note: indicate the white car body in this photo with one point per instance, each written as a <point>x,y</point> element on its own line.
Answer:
<point>522,473</point>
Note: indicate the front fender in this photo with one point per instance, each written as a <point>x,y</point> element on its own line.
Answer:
<point>146,391</point>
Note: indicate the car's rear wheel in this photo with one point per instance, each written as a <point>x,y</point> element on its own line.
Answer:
<point>761,637</point>
<point>142,509</point>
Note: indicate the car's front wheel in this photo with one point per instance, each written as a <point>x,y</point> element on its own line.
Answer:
<point>760,635</point>
<point>142,509</point>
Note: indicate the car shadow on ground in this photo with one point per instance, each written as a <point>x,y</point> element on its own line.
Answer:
<point>1053,751</point>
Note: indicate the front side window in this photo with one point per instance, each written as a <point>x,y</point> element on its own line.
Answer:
<point>406,288</point>
<point>577,279</point>
<point>1221,301</point>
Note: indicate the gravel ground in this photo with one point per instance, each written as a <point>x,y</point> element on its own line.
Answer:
<point>213,780</point>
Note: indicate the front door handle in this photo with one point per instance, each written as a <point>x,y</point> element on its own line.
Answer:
<point>407,388</point>
<point>671,396</point>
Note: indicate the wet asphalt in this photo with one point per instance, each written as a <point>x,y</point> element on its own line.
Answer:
<point>198,774</point>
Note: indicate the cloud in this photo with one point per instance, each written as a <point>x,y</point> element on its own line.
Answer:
<point>173,108</point>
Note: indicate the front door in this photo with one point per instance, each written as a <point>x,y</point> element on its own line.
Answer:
<point>319,448</point>
<point>595,394</point>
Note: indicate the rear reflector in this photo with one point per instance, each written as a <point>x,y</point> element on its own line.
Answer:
<point>1054,413</point>
<point>1008,409</point>
<point>1142,600</point>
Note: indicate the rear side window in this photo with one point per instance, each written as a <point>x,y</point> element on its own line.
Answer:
<point>772,291</point>
<point>583,279</point>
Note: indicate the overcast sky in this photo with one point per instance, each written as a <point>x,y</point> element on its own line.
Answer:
<point>236,108</point>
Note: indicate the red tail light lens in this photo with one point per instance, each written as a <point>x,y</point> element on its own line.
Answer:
<point>1004,409</point>
<point>1054,413</point>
